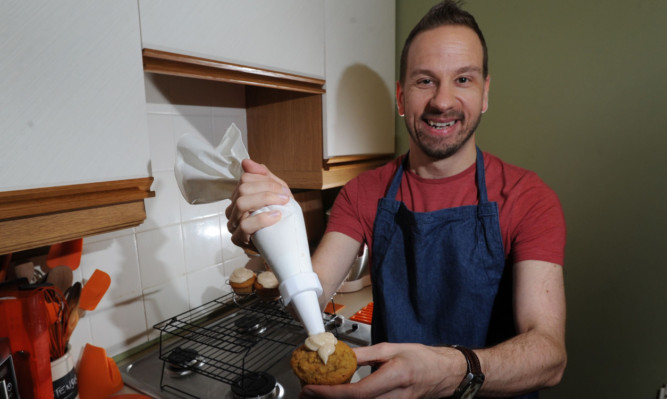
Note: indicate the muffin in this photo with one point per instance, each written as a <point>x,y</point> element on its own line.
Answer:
<point>309,366</point>
<point>266,286</point>
<point>242,281</point>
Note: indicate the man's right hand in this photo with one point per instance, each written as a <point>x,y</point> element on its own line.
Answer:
<point>257,188</point>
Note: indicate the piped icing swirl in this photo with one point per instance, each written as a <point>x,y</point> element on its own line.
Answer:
<point>323,343</point>
<point>240,275</point>
<point>267,280</point>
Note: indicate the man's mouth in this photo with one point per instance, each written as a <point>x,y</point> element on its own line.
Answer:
<point>441,125</point>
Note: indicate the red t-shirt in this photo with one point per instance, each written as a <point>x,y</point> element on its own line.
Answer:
<point>531,216</point>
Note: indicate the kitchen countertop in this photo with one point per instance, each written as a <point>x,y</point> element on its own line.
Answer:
<point>352,301</point>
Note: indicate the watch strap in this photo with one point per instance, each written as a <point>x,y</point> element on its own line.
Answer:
<point>471,359</point>
<point>474,377</point>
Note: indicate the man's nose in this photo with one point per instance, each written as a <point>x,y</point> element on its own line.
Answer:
<point>443,98</point>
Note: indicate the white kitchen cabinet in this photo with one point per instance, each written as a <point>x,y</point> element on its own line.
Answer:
<point>281,35</point>
<point>72,106</point>
<point>74,155</point>
<point>313,137</point>
<point>360,78</point>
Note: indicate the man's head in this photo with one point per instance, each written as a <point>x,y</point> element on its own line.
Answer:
<point>443,88</point>
<point>447,12</point>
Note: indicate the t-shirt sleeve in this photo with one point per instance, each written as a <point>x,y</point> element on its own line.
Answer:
<point>345,217</point>
<point>539,230</point>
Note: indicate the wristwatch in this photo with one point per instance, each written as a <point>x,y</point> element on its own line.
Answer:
<point>474,377</point>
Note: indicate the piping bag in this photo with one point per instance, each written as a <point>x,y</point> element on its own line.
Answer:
<point>205,174</point>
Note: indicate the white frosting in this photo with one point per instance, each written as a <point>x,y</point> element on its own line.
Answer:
<point>267,280</point>
<point>324,343</point>
<point>240,275</point>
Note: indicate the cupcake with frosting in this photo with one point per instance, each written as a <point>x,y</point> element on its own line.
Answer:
<point>324,360</point>
<point>242,280</point>
<point>266,286</point>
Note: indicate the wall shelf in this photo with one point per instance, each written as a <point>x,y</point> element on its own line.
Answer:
<point>284,117</point>
<point>44,216</point>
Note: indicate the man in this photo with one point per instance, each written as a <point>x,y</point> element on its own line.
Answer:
<point>466,249</point>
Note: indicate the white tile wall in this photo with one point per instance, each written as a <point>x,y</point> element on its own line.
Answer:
<point>182,255</point>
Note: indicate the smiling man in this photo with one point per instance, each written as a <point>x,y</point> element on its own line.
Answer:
<point>466,250</point>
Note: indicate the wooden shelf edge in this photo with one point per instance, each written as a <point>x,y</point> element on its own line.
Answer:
<point>45,216</point>
<point>164,62</point>
<point>334,176</point>
<point>22,234</point>
<point>41,201</point>
<point>337,176</point>
<point>361,158</point>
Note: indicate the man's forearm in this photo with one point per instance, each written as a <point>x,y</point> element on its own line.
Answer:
<point>528,362</point>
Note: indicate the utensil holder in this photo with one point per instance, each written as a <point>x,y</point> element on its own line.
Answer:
<point>65,383</point>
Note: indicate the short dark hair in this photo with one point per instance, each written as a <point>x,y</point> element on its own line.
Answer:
<point>447,12</point>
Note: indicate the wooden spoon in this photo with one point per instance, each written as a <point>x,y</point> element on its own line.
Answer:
<point>72,296</point>
<point>61,277</point>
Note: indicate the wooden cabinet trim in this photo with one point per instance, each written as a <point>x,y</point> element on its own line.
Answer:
<point>45,216</point>
<point>157,61</point>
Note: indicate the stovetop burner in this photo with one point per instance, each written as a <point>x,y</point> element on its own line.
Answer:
<point>182,361</point>
<point>251,324</point>
<point>256,385</point>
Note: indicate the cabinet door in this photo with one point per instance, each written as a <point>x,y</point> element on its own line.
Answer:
<point>360,63</point>
<point>72,106</point>
<point>282,35</point>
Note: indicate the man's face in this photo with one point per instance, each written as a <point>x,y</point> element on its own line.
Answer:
<point>445,92</point>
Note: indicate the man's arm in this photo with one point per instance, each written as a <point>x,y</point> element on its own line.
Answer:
<point>532,360</point>
<point>332,261</point>
<point>536,357</point>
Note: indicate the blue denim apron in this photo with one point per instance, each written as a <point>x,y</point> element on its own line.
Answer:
<point>436,275</point>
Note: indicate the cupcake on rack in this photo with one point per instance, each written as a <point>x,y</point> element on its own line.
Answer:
<point>242,280</point>
<point>266,286</point>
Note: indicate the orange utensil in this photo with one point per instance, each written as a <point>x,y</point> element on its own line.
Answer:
<point>65,253</point>
<point>94,290</point>
<point>98,375</point>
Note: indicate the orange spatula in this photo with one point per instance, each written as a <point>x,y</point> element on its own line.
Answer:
<point>65,253</point>
<point>93,291</point>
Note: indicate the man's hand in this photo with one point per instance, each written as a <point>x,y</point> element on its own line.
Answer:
<point>404,371</point>
<point>257,188</point>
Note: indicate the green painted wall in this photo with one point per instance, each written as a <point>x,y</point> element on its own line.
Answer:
<point>577,95</point>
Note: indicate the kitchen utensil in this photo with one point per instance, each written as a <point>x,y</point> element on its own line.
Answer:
<point>98,375</point>
<point>26,270</point>
<point>65,253</point>
<point>61,277</point>
<point>94,290</point>
<point>72,296</point>
<point>63,373</point>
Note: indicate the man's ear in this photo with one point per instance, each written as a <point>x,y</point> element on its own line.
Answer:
<point>485,100</point>
<point>399,99</point>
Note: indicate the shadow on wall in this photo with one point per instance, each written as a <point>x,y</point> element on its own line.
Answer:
<point>362,92</point>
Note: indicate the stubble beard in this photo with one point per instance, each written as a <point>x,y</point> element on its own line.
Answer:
<point>436,147</point>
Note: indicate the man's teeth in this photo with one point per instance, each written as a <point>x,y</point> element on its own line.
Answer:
<point>441,125</point>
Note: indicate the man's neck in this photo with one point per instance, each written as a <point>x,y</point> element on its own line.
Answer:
<point>429,168</point>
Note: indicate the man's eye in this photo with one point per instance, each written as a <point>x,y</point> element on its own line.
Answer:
<point>424,81</point>
<point>463,80</point>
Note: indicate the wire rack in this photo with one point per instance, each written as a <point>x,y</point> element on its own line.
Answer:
<point>231,336</point>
